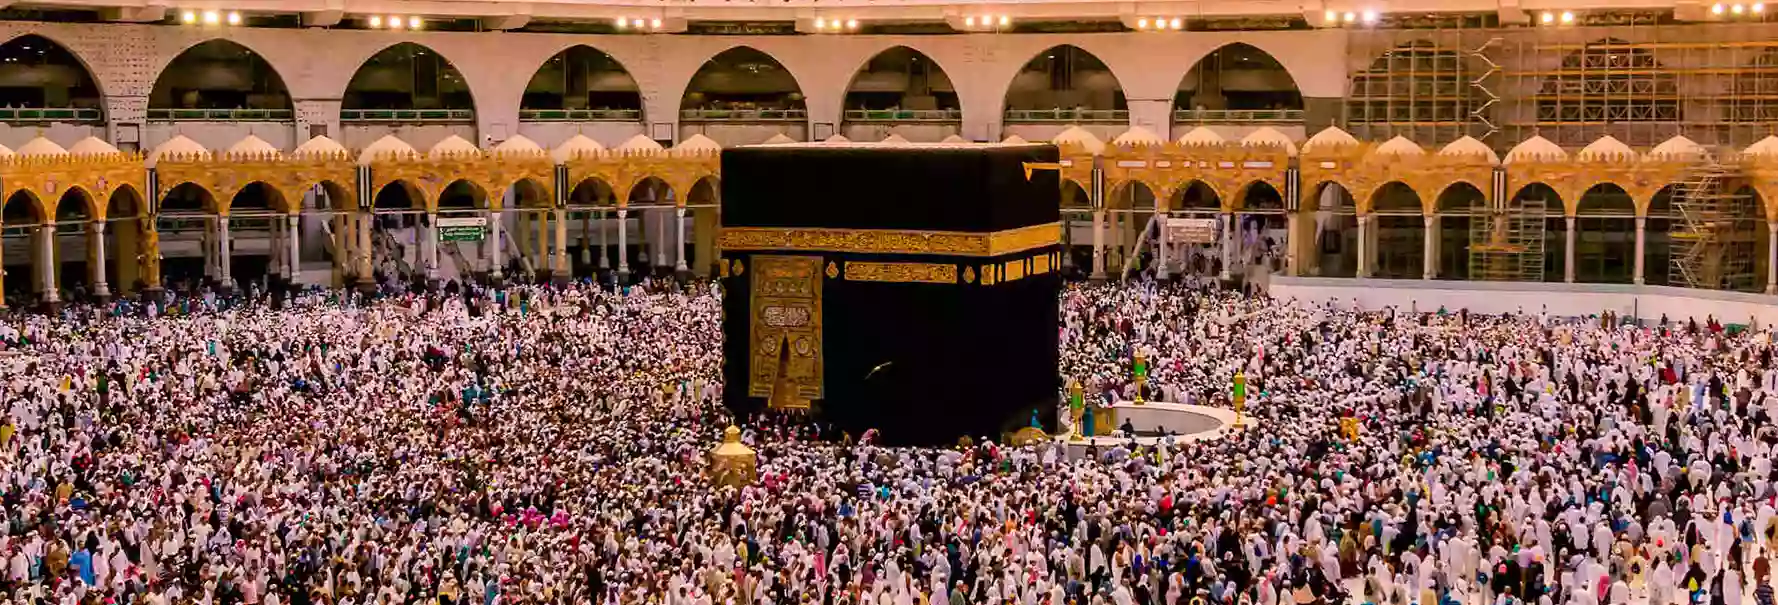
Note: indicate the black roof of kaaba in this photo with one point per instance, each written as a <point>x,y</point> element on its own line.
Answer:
<point>941,188</point>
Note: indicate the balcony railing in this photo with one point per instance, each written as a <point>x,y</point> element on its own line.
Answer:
<point>743,115</point>
<point>1237,116</point>
<point>221,115</point>
<point>904,115</point>
<point>580,115</point>
<point>407,115</point>
<point>1067,115</point>
<point>50,114</point>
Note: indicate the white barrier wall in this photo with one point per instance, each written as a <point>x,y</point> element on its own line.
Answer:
<point>1559,299</point>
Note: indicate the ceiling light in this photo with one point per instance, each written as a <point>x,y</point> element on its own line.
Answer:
<point>969,21</point>
<point>1737,9</point>
<point>1005,20</point>
<point>655,24</point>
<point>234,18</point>
<point>1370,16</point>
<point>1716,9</point>
<point>851,24</point>
<point>212,17</point>
<point>376,21</point>
<point>1332,16</point>
<point>394,22</point>
<point>1142,23</point>
<point>413,23</point>
<point>1350,17</point>
<point>1758,7</point>
<point>621,22</point>
<point>189,17</point>
<point>820,23</point>
<point>1177,23</point>
<point>1548,18</point>
<point>1567,17</point>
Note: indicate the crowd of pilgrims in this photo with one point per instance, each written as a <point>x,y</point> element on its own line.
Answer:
<point>547,445</point>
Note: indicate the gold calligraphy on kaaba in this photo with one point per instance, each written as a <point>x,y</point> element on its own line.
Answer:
<point>785,331</point>
<point>891,241</point>
<point>907,273</point>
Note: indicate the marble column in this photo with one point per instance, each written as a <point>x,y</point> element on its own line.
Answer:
<point>1429,256</point>
<point>604,251</point>
<point>292,247</point>
<point>623,244</point>
<point>223,269</point>
<point>496,264</point>
<point>544,263</point>
<point>1568,250</point>
<point>1364,245</point>
<point>47,263</point>
<point>275,251</point>
<point>1098,244</point>
<point>366,273</point>
<point>586,238</point>
<point>679,246</point>
<point>1641,244</point>
<point>560,269</point>
<point>429,247</point>
<point>1160,247</point>
<point>96,242</point>
<point>1771,258</point>
<point>209,245</point>
<point>1228,244</point>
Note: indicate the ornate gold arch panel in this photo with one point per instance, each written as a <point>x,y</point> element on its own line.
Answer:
<point>1427,175</point>
<point>624,170</point>
<point>1168,169</point>
<point>48,178</point>
<point>1341,164</point>
<point>1762,172</point>
<point>225,175</point>
<point>1571,178</point>
<point>493,173</point>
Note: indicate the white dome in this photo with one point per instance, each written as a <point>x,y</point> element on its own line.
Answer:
<point>779,139</point>
<point>518,144</point>
<point>639,143</point>
<point>1329,137</point>
<point>1015,140</point>
<point>1138,136</point>
<point>384,147</point>
<point>1536,149</point>
<point>697,143</point>
<point>1765,147</point>
<point>1201,136</point>
<point>41,146</point>
<point>452,145</point>
<point>253,146</point>
<point>1469,145</point>
<point>838,138</point>
<point>1677,148</point>
<point>1075,135</point>
<point>178,146</point>
<point>91,146</point>
<point>894,140</point>
<point>954,140</point>
<point>319,145</point>
<point>1398,146</point>
<point>1606,147</point>
<point>575,146</point>
<point>6,152</point>
<point>1266,135</point>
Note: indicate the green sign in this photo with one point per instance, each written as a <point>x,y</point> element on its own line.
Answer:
<point>460,234</point>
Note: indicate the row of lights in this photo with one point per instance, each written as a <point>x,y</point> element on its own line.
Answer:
<point>1551,18</point>
<point>1738,8</point>
<point>395,22</point>
<point>192,17</point>
<point>1366,16</point>
<point>1160,23</point>
<point>987,21</point>
<point>638,23</point>
<point>835,25</point>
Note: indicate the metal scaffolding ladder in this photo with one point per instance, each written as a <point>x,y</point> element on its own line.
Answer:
<point>1506,242</point>
<point>1712,247</point>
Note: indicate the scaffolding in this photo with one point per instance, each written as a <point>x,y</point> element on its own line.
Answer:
<point>1506,242</point>
<point>1713,243</point>
<point>1428,85</point>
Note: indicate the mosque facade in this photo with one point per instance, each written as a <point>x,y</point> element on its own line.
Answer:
<point>1616,145</point>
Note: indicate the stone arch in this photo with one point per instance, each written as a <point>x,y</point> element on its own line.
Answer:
<point>529,193</point>
<point>1075,195</point>
<point>187,197</point>
<point>125,203</point>
<point>261,196</point>
<point>1048,78</point>
<point>461,194</point>
<point>1258,195</point>
<point>1395,198</point>
<point>934,81</point>
<point>1606,199</point>
<point>691,98</point>
<point>1206,75</point>
<point>411,55</point>
<point>339,197</point>
<point>1330,191</point>
<point>592,191</point>
<point>85,90</point>
<point>1450,199</point>
<point>534,96</point>
<point>1545,191</point>
<point>266,88</point>
<point>1198,195</point>
<point>399,194</point>
<point>76,204</point>
<point>650,190</point>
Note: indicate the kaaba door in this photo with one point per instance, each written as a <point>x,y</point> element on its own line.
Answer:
<point>785,339</point>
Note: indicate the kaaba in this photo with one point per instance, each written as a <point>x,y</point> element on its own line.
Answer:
<point>907,289</point>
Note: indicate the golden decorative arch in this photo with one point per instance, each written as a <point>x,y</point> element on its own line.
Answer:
<point>47,177</point>
<point>623,170</point>
<point>1168,168</point>
<point>1640,176</point>
<point>224,175</point>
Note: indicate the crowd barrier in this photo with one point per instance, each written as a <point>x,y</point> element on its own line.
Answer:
<point>1645,303</point>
